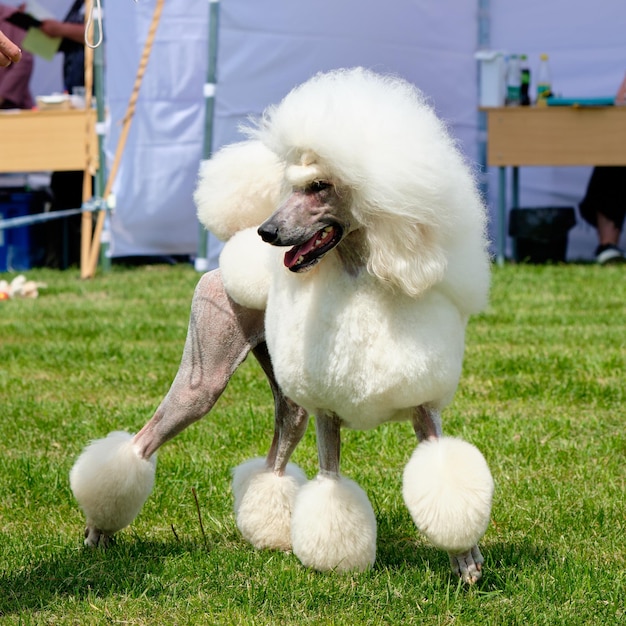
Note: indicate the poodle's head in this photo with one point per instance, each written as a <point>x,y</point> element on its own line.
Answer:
<point>371,173</point>
<point>315,217</point>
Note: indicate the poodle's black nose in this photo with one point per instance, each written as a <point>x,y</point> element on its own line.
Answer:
<point>268,232</point>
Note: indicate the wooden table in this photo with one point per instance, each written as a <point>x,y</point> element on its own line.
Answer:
<point>51,140</point>
<point>34,141</point>
<point>552,136</point>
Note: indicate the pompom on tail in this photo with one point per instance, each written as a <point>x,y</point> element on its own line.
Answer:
<point>111,483</point>
<point>448,489</point>
<point>239,187</point>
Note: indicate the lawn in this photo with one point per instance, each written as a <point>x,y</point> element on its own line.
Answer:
<point>543,396</point>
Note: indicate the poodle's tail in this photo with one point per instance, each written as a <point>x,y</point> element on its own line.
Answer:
<point>111,483</point>
<point>239,187</point>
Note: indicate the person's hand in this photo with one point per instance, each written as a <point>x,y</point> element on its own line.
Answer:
<point>53,28</point>
<point>9,52</point>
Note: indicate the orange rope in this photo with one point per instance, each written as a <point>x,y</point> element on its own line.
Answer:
<point>87,217</point>
<point>130,111</point>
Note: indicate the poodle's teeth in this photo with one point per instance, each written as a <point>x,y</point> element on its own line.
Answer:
<point>300,259</point>
<point>325,234</point>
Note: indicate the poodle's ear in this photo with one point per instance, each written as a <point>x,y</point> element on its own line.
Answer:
<point>238,187</point>
<point>404,254</point>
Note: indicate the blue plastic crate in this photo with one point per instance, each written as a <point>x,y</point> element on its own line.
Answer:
<point>15,242</point>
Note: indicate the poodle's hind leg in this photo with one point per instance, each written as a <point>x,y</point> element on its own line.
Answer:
<point>221,333</point>
<point>114,476</point>
<point>265,489</point>
<point>333,525</point>
<point>448,488</point>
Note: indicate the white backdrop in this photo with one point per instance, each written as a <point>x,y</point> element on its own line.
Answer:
<point>267,47</point>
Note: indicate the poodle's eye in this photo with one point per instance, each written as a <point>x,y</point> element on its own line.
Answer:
<point>318,185</point>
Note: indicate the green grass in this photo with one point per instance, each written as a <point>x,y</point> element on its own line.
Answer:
<point>542,396</point>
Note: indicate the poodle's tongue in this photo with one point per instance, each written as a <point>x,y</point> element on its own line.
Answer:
<point>298,254</point>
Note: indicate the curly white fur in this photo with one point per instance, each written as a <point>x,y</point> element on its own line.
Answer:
<point>333,526</point>
<point>264,503</point>
<point>245,262</point>
<point>448,489</point>
<point>111,482</point>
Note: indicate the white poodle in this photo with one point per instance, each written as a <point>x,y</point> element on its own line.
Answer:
<point>361,321</point>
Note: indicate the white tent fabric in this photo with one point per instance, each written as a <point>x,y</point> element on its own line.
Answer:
<point>154,212</point>
<point>265,48</point>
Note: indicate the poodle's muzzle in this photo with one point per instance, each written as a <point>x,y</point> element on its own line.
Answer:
<point>309,221</point>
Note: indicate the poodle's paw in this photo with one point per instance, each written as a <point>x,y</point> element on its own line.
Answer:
<point>111,482</point>
<point>448,489</point>
<point>468,565</point>
<point>264,503</point>
<point>95,538</point>
<point>333,526</point>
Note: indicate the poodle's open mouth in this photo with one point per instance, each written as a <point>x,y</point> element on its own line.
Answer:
<point>305,256</point>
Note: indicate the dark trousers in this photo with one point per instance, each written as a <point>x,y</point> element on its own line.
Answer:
<point>63,237</point>
<point>606,194</point>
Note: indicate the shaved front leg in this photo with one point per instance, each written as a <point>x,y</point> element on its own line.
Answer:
<point>333,525</point>
<point>328,432</point>
<point>426,422</point>
<point>220,335</point>
<point>290,420</point>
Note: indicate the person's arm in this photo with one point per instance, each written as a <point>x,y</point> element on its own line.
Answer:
<point>9,52</point>
<point>67,30</point>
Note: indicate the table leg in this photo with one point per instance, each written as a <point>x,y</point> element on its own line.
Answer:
<point>515,188</point>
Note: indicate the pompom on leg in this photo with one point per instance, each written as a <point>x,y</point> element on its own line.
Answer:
<point>111,483</point>
<point>333,526</point>
<point>264,503</point>
<point>448,489</point>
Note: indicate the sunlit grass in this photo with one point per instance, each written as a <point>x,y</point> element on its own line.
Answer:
<point>543,397</point>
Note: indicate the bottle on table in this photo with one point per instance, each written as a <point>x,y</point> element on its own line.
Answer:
<point>524,81</point>
<point>513,81</point>
<point>544,80</point>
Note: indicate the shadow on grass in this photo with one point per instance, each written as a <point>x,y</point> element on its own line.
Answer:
<point>143,568</point>
<point>82,573</point>
<point>504,562</point>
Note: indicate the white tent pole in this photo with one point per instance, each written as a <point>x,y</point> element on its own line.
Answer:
<point>202,261</point>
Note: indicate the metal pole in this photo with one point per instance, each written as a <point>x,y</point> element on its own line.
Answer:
<point>484,42</point>
<point>202,261</point>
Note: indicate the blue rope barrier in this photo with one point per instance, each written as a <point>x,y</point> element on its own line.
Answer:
<point>15,222</point>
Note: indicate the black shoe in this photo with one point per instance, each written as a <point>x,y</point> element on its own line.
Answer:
<point>608,254</point>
